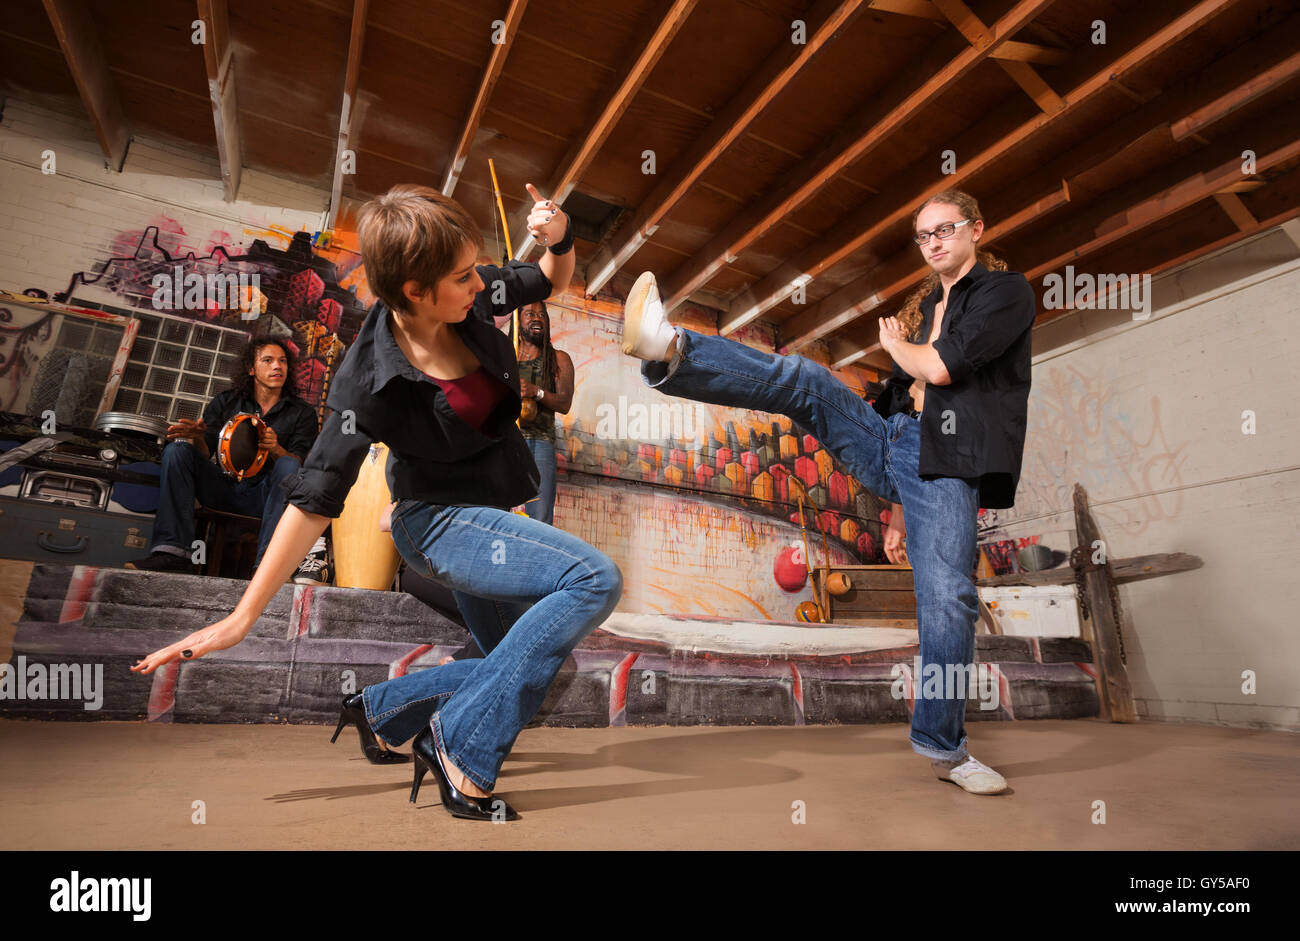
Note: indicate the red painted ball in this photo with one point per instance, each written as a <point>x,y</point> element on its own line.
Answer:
<point>790,570</point>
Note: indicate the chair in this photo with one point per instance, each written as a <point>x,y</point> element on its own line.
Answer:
<point>231,541</point>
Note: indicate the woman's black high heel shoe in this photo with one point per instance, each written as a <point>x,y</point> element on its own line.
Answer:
<point>458,804</point>
<point>354,711</point>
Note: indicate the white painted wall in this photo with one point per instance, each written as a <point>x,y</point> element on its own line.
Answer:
<point>1148,416</point>
<point>52,225</point>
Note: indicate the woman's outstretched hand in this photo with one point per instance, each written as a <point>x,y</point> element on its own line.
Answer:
<point>225,633</point>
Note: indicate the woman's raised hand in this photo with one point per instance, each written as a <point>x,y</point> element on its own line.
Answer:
<point>546,222</point>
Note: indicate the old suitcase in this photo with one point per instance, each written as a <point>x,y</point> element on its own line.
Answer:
<point>74,535</point>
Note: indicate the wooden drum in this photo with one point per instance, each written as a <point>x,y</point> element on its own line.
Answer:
<point>365,556</point>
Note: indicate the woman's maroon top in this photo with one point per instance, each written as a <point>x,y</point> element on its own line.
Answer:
<point>472,397</point>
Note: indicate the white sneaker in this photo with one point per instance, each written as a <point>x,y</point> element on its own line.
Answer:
<point>970,775</point>
<point>646,330</point>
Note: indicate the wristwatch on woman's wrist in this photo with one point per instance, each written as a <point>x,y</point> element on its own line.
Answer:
<point>539,393</point>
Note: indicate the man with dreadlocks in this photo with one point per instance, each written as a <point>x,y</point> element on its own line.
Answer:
<point>945,438</point>
<point>546,375</point>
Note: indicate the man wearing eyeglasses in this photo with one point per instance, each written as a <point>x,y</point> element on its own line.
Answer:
<point>944,438</point>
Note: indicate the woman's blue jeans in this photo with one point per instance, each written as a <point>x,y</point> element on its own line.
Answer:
<point>883,454</point>
<point>543,508</point>
<point>530,593</point>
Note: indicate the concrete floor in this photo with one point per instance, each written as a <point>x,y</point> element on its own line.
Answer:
<point>118,785</point>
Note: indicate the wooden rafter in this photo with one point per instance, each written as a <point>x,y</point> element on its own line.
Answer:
<point>579,157</point>
<point>1224,105</point>
<point>848,147</point>
<point>1157,115</point>
<point>732,121</point>
<point>1012,50</point>
<point>351,78</point>
<point>79,40</point>
<point>1033,84</point>
<point>218,59</point>
<point>1241,216</point>
<point>849,236</point>
<point>1021,72</point>
<point>490,75</point>
<point>918,8</point>
<point>1288,221</point>
<point>1182,195</point>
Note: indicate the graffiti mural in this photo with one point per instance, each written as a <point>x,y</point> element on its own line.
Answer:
<point>290,290</point>
<point>1083,427</point>
<point>696,500</point>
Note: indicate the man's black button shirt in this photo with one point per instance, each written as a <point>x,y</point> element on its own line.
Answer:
<point>292,420</point>
<point>974,427</point>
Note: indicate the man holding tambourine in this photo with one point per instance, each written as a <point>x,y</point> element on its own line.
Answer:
<point>251,437</point>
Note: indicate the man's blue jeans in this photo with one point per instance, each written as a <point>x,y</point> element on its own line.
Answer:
<point>543,508</point>
<point>497,564</point>
<point>186,476</point>
<point>883,454</point>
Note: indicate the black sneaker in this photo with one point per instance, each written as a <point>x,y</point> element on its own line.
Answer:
<point>313,570</point>
<point>163,562</point>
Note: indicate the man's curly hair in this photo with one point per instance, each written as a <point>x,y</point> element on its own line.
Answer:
<point>242,381</point>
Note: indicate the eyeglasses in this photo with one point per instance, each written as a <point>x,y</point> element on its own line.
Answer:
<point>945,231</point>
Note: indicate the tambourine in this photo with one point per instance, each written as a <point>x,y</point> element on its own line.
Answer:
<point>239,450</point>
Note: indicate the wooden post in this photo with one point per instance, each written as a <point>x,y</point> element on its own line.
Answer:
<point>1099,584</point>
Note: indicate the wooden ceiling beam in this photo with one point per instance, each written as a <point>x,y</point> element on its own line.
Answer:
<point>351,78</point>
<point>82,51</point>
<point>740,112</point>
<point>490,75</point>
<point>845,149</point>
<point>1033,85</point>
<point>1012,50</point>
<point>1287,220</point>
<point>1182,195</point>
<point>849,236</point>
<point>580,156</point>
<point>1243,186</point>
<point>219,60</point>
<point>1226,104</point>
<point>923,9</point>
<point>1232,205</point>
<point>1021,72</point>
